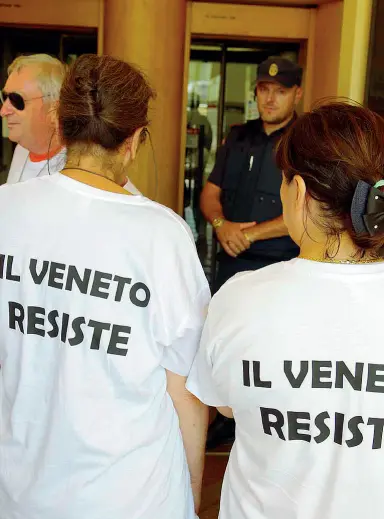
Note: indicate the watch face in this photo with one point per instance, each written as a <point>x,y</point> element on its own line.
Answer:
<point>217,222</point>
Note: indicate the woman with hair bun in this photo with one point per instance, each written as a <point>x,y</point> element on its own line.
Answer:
<point>102,302</point>
<point>295,351</point>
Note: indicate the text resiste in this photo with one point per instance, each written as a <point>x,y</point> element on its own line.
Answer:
<point>73,330</point>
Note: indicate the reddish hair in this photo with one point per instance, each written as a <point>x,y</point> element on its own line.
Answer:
<point>332,148</point>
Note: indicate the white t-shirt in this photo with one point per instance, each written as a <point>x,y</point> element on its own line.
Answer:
<point>296,350</point>
<point>23,168</point>
<point>100,293</point>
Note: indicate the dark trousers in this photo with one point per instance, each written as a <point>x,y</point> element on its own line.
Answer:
<point>229,266</point>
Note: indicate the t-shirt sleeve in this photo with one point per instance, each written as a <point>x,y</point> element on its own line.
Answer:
<point>182,300</point>
<point>217,174</point>
<point>178,356</point>
<point>201,382</point>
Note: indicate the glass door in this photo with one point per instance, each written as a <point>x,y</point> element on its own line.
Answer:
<point>221,94</point>
<point>204,87</point>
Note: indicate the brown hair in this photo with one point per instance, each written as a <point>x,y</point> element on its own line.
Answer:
<point>103,101</point>
<point>332,148</point>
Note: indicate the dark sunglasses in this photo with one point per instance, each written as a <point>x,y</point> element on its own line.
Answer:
<point>16,100</point>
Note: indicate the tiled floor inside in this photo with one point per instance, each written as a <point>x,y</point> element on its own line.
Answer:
<point>215,463</point>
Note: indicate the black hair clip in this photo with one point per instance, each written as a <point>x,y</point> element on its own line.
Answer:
<point>367,209</point>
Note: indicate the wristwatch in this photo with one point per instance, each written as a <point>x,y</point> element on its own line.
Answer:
<point>218,222</point>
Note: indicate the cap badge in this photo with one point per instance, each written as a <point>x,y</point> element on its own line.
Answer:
<point>273,70</point>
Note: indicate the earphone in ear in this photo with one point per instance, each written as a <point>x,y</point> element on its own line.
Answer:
<point>143,134</point>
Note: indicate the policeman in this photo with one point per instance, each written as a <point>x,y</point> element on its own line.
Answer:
<point>242,196</point>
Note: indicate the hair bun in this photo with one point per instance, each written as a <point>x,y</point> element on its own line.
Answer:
<point>103,101</point>
<point>97,108</point>
<point>94,93</point>
<point>86,89</point>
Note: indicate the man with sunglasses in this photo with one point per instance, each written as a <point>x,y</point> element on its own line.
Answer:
<point>28,103</point>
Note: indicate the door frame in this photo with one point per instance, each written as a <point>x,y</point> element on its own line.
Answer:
<point>248,23</point>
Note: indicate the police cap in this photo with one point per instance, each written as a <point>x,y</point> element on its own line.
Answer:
<point>280,70</point>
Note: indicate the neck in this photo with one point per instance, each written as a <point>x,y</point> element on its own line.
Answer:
<point>92,172</point>
<point>340,250</point>
<point>273,127</point>
<point>49,145</point>
<point>94,180</point>
<point>90,164</point>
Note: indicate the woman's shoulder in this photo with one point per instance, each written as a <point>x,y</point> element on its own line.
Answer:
<point>276,278</point>
<point>268,274</point>
<point>166,221</point>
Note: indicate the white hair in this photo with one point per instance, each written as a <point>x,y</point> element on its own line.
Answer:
<point>50,72</point>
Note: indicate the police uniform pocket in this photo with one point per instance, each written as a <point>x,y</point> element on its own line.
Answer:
<point>266,207</point>
<point>233,169</point>
<point>232,183</point>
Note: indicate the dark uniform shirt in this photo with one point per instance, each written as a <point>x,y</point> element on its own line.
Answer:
<point>250,181</point>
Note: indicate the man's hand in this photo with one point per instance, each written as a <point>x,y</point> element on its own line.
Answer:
<point>231,237</point>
